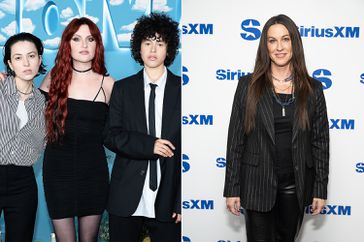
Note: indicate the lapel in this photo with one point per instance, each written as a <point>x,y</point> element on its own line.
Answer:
<point>35,105</point>
<point>295,128</point>
<point>266,112</point>
<point>169,102</point>
<point>295,124</point>
<point>32,105</point>
<point>139,101</point>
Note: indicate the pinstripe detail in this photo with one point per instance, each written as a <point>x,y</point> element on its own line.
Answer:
<point>249,167</point>
<point>20,147</point>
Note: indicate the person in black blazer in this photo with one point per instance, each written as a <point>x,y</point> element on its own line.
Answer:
<point>144,131</point>
<point>278,139</point>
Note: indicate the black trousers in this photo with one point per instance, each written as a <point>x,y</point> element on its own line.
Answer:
<point>19,201</point>
<point>128,229</point>
<point>282,223</point>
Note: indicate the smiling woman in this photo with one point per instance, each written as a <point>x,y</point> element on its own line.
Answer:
<point>278,142</point>
<point>22,130</point>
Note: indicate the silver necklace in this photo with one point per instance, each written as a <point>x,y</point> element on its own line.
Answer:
<point>25,93</point>
<point>284,103</point>
<point>289,78</point>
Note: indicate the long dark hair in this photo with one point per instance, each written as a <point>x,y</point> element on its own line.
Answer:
<point>262,74</point>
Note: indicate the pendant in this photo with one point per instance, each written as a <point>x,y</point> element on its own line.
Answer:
<point>283,111</point>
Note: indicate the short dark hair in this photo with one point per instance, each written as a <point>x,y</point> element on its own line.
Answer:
<point>22,37</point>
<point>147,27</point>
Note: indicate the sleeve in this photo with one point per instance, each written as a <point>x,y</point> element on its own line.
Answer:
<point>178,204</point>
<point>45,94</point>
<point>320,145</point>
<point>235,143</point>
<point>132,144</point>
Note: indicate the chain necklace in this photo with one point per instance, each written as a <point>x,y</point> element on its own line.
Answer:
<point>289,78</point>
<point>25,93</point>
<point>284,103</point>
<point>283,89</point>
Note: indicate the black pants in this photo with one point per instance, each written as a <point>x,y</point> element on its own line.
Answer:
<point>282,223</point>
<point>128,229</point>
<point>19,200</point>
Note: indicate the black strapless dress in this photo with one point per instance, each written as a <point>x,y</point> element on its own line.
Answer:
<point>75,171</point>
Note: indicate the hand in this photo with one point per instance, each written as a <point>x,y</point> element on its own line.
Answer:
<point>233,205</point>
<point>317,205</point>
<point>177,217</point>
<point>2,76</point>
<point>163,148</point>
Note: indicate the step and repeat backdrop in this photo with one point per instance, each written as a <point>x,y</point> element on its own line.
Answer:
<point>47,20</point>
<point>220,40</point>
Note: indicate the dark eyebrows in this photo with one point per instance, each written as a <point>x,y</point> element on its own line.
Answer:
<point>271,37</point>
<point>31,52</point>
<point>76,35</point>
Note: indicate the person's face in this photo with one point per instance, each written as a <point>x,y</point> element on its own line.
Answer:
<point>24,60</point>
<point>153,52</point>
<point>279,45</point>
<point>83,45</point>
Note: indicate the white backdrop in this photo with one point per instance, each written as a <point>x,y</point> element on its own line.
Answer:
<point>216,42</point>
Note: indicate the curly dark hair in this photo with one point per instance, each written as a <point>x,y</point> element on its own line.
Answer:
<point>22,37</point>
<point>147,27</point>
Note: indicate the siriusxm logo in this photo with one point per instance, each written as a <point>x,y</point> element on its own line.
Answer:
<point>250,30</point>
<point>198,119</point>
<point>362,78</point>
<point>185,78</point>
<point>186,239</point>
<point>198,28</point>
<point>334,32</point>
<point>198,204</point>
<point>185,163</point>
<point>222,74</point>
<point>323,76</point>
<point>359,167</point>
<point>332,210</point>
<point>342,123</point>
<point>221,162</point>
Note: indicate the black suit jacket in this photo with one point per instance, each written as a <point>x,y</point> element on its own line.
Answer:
<point>126,134</point>
<point>249,168</point>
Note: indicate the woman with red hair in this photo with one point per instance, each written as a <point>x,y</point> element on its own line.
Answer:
<point>75,172</point>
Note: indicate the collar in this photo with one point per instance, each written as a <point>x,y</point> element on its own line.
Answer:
<point>10,87</point>
<point>161,82</point>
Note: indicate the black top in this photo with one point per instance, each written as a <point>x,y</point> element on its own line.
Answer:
<point>283,135</point>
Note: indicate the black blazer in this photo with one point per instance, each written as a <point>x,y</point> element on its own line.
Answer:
<point>249,168</point>
<point>126,134</point>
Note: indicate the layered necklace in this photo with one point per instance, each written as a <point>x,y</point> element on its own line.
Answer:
<point>289,99</point>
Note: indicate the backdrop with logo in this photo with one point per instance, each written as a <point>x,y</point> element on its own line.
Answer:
<point>220,40</point>
<point>47,20</point>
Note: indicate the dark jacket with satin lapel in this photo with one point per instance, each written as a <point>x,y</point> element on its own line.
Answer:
<point>126,135</point>
<point>249,168</point>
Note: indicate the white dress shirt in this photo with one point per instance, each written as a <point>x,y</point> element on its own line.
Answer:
<point>146,204</point>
